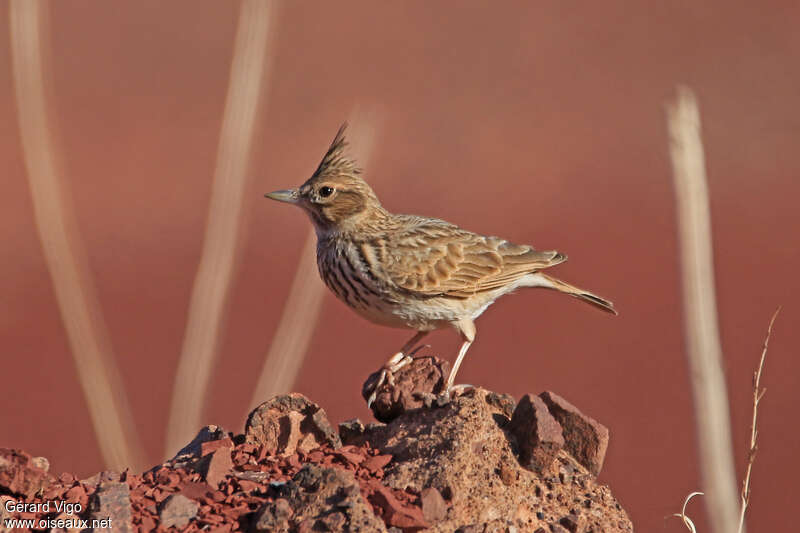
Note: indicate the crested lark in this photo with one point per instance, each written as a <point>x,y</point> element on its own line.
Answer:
<point>410,271</point>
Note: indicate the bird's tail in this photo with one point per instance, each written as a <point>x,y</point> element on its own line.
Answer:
<point>556,284</point>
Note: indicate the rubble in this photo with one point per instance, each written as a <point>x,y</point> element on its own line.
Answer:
<point>478,463</point>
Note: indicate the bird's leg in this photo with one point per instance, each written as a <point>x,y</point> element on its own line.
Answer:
<point>467,329</point>
<point>395,363</point>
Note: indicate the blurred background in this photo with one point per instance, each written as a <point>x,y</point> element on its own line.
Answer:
<point>542,122</point>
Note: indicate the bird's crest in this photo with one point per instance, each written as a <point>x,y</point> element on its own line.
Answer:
<point>336,161</point>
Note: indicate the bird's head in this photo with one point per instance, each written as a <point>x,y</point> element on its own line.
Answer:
<point>335,196</point>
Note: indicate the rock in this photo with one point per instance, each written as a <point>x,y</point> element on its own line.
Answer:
<point>111,503</point>
<point>194,448</point>
<point>570,523</point>
<point>319,491</point>
<point>467,452</point>
<point>213,445</point>
<point>177,511</point>
<point>585,438</point>
<point>408,388</point>
<point>377,462</point>
<point>22,475</point>
<point>273,517</point>
<point>537,433</point>
<point>100,477</point>
<point>395,513</point>
<point>504,402</point>
<point>215,466</point>
<point>41,463</point>
<point>288,423</point>
<point>434,507</point>
<point>350,431</point>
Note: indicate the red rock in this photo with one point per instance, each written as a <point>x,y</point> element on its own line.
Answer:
<point>193,449</point>
<point>215,466</point>
<point>422,376</point>
<point>20,475</point>
<point>350,457</point>
<point>395,513</point>
<point>585,438</point>
<point>537,433</point>
<point>213,445</point>
<point>194,490</point>
<point>77,494</point>
<point>434,507</point>
<point>289,423</point>
<point>377,462</point>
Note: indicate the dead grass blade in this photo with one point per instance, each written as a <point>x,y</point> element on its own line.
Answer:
<point>683,516</point>
<point>700,312</point>
<point>248,74</point>
<point>301,311</point>
<point>58,232</point>
<point>758,393</point>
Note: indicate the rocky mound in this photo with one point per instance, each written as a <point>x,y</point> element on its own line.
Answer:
<point>478,463</point>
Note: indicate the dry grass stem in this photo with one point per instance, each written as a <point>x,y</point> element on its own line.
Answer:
<point>301,311</point>
<point>65,256</point>
<point>683,516</point>
<point>700,313</point>
<point>249,69</point>
<point>758,393</point>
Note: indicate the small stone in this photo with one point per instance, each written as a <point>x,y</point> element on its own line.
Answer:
<point>507,474</point>
<point>538,435</point>
<point>334,521</point>
<point>288,423</point>
<point>377,462</point>
<point>112,503</point>
<point>194,448</point>
<point>213,445</point>
<point>273,516</point>
<point>395,513</point>
<point>473,528</point>
<point>556,528</point>
<point>41,463</point>
<point>351,430</point>
<point>504,402</point>
<point>177,511</point>
<point>408,389</point>
<point>570,523</point>
<point>215,466</point>
<point>585,438</point>
<point>20,474</point>
<point>434,507</point>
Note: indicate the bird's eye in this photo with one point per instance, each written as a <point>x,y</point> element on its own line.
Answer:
<point>325,191</point>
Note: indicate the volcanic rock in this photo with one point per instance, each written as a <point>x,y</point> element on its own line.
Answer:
<point>538,435</point>
<point>288,423</point>
<point>586,438</point>
<point>407,388</point>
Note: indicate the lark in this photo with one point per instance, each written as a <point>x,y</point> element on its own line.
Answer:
<point>409,271</point>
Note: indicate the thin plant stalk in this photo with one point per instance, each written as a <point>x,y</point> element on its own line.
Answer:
<point>700,313</point>
<point>758,394</point>
<point>248,75</point>
<point>64,254</point>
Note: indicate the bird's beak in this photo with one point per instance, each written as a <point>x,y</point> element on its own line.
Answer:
<point>290,196</point>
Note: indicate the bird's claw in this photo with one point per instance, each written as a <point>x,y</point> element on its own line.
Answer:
<point>445,396</point>
<point>398,361</point>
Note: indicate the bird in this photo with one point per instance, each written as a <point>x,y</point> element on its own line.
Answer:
<point>409,271</point>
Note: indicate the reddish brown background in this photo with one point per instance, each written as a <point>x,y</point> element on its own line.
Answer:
<point>538,121</point>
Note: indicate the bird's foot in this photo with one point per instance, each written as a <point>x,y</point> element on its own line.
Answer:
<point>395,363</point>
<point>445,397</point>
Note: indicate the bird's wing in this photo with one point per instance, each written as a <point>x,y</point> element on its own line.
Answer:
<point>434,258</point>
